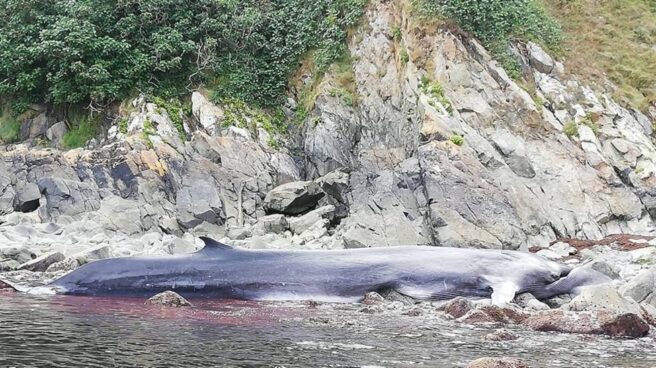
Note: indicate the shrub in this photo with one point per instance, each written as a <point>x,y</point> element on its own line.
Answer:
<point>404,56</point>
<point>571,129</point>
<point>65,51</point>
<point>496,22</point>
<point>435,90</point>
<point>457,139</point>
<point>396,32</point>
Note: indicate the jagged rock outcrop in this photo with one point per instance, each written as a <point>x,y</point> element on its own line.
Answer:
<point>441,149</point>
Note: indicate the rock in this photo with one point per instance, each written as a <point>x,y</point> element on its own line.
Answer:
<point>35,127</point>
<point>548,254</point>
<point>239,233</point>
<point>500,335</point>
<point>198,203</point>
<point>335,184</point>
<point>27,198</point>
<point>8,265</point>
<point>20,254</point>
<point>642,288</point>
<point>209,115</point>
<point>41,263</point>
<point>528,301</point>
<point>56,133</point>
<point>300,224</point>
<point>600,322</point>
<point>539,59</point>
<point>562,249</point>
<point>82,258</point>
<point>497,363</point>
<point>603,297</point>
<point>558,301</point>
<point>458,307</point>
<point>168,299</point>
<point>394,296</point>
<point>293,198</point>
<point>271,224</point>
<point>68,197</point>
<point>373,298</point>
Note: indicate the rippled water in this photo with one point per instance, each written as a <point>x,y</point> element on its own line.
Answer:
<point>93,332</point>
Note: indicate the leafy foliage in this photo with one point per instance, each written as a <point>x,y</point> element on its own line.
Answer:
<point>64,51</point>
<point>457,139</point>
<point>496,22</point>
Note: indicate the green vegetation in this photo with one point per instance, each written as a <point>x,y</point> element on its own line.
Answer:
<point>405,57</point>
<point>614,39</point>
<point>457,139</point>
<point>497,22</point>
<point>80,132</point>
<point>435,90</point>
<point>571,129</point>
<point>9,127</point>
<point>148,130</point>
<point>123,125</point>
<point>176,112</point>
<point>589,121</point>
<point>240,114</point>
<point>396,32</point>
<point>68,52</point>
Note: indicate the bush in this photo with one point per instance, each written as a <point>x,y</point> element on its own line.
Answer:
<point>457,139</point>
<point>64,51</point>
<point>571,129</point>
<point>496,22</point>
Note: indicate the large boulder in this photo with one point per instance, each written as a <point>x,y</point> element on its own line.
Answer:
<point>197,204</point>
<point>539,59</point>
<point>293,198</point>
<point>68,197</point>
<point>209,115</point>
<point>27,198</point>
<point>56,133</point>
<point>642,288</point>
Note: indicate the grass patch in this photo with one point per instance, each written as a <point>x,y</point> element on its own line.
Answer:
<point>613,38</point>
<point>176,111</point>
<point>123,125</point>
<point>571,129</point>
<point>435,90</point>
<point>457,139</point>
<point>239,114</point>
<point>9,127</point>
<point>80,132</point>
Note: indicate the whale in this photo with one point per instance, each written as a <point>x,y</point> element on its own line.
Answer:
<point>420,272</point>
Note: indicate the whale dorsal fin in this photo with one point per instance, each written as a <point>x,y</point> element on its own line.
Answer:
<point>211,244</point>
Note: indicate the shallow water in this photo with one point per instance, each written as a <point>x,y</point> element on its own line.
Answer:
<point>63,331</point>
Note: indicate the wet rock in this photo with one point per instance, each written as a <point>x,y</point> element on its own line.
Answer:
<point>558,301</point>
<point>501,335</point>
<point>458,307</point>
<point>40,264</point>
<point>414,312</point>
<point>528,301</point>
<point>373,298</point>
<point>494,314</point>
<point>168,299</point>
<point>497,363</point>
<point>600,322</point>
<point>293,198</point>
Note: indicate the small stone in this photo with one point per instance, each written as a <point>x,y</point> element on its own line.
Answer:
<point>458,307</point>
<point>500,335</point>
<point>497,363</point>
<point>549,254</point>
<point>168,299</point>
<point>40,264</point>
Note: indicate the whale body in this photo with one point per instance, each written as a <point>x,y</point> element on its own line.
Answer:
<point>421,272</point>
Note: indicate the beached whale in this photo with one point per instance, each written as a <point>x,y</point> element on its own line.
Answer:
<point>421,272</point>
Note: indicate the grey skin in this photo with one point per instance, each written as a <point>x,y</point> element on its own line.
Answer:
<point>421,272</point>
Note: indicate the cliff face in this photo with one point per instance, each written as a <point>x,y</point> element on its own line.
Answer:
<point>429,143</point>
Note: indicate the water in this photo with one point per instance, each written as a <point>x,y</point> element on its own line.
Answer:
<point>61,331</point>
